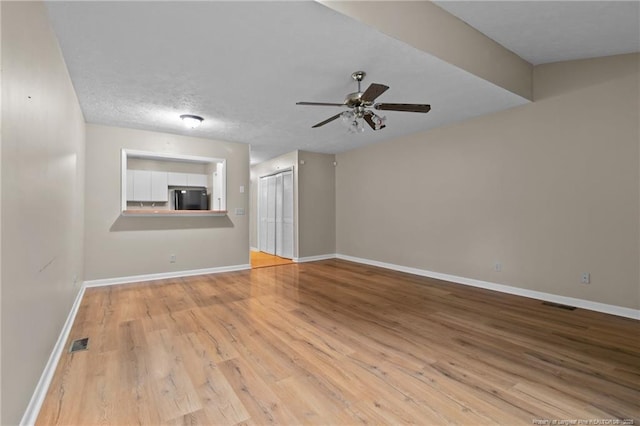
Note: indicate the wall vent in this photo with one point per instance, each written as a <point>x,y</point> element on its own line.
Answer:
<point>79,345</point>
<point>560,306</point>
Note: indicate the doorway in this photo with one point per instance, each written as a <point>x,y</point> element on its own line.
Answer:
<point>261,260</point>
<point>275,216</point>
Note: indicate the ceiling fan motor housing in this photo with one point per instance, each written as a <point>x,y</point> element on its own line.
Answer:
<point>354,100</point>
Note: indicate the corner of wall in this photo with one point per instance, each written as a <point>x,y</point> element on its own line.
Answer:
<point>42,162</point>
<point>317,204</point>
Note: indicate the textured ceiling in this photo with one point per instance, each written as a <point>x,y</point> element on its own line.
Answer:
<point>552,31</point>
<point>243,65</point>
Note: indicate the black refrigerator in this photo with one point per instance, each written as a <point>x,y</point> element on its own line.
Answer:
<point>190,199</point>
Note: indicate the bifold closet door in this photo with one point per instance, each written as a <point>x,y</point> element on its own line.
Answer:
<point>275,209</point>
<point>271,215</point>
<point>262,212</point>
<point>278,214</point>
<point>285,248</point>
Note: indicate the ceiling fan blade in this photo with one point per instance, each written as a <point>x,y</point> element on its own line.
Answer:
<point>328,120</point>
<point>368,117</point>
<point>373,91</point>
<point>318,104</point>
<point>403,107</point>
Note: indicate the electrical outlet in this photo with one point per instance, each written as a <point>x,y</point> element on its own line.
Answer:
<point>497,267</point>
<point>172,258</point>
<point>585,278</point>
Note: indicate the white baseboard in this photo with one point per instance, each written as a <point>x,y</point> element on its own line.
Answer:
<point>571,301</point>
<point>254,249</point>
<point>164,275</point>
<point>314,258</point>
<point>33,409</point>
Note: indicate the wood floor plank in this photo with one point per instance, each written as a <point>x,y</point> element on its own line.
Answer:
<point>171,387</point>
<point>220,402</point>
<point>258,397</point>
<point>197,418</point>
<point>260,347</point>
<point>335,342</point>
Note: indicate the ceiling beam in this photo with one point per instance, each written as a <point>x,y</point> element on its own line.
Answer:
<point>425,26</point>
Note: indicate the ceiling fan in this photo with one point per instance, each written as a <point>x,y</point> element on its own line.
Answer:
<point>360,103</point>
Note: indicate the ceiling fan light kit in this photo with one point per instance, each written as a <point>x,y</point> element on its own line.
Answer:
<point>360,103</point>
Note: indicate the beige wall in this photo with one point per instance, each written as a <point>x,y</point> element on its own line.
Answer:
<point>283,162</point>
<point>549,189</point>
<point>118,246</point>
<point>317,204</point>
<point>42,199</point>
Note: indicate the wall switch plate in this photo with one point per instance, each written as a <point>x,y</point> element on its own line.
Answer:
<point>239,211</point>
<point>172,258</point>
<point>586,278</point>
<point>242,189</point>
<point>497,267</point>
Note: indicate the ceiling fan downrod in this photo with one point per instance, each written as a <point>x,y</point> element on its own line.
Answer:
<point>358,76</point>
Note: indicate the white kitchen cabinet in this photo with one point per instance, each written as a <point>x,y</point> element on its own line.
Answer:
<point>141,185</point>
<point>187,179</point>
<point>130,185</point>
<point>177,179</point>
<point>146,185</point>
<point>159,187</point>
<point>147,176</point>
<point>194,179</point>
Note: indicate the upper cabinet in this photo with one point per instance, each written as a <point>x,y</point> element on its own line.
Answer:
<point>187,179</point>
<point>150,181</point>
<point>146,185</point>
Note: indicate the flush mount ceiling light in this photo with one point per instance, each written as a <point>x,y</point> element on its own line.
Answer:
<point>191,121</point>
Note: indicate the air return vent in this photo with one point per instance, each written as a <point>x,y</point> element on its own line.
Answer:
<point>559,306</point>
<point>79,345</point>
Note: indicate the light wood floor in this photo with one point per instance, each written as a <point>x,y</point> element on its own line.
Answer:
<point>261,260</point>
<point>337,343</point>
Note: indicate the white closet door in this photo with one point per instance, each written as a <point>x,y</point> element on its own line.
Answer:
<point>271,215</point>
<point>279,233</point>
<point>286,246</point>
<point>275,214</point>
<point>262,212</point>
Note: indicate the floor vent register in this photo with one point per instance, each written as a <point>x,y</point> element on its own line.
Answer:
<point>79,345</point>
<point>560,306</point>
